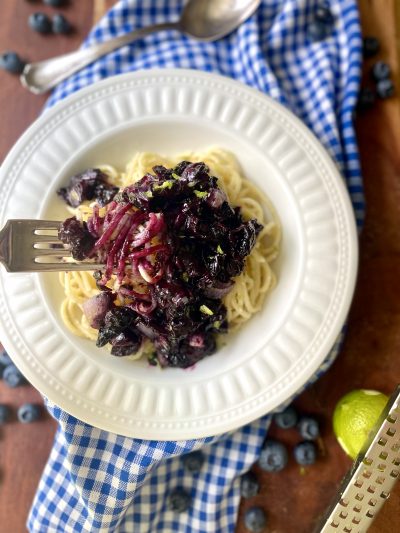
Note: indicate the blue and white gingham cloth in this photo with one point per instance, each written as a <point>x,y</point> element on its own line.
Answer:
<point>97,481</point>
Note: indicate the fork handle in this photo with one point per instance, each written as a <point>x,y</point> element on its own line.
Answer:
<point>44,75</point>
<point>5,236</point>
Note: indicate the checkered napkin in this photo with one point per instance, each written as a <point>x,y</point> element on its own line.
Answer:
<point>97,481</point>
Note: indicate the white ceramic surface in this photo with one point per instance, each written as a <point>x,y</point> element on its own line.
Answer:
<point>278,350</point>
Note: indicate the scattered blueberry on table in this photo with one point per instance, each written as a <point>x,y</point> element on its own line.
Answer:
<point>323,14</point>
<point>28,412</point>
<point>366,98</point>
<point>193,461</point>
<point>286,419</point>
<point>255,519</point>
<point>385,89</point>
<point>249,485</point>
<point>380,71</point>
<point>179,500</point>
<point>13,377</point>
<point>305,453</point>
<point>308,428</point>
<point>55,3</point>
<point>371,46</point>
<point>317,31</point>
<point>4,414</point>
<point>273,456</point>
<point>11,62</point>
<point>5,359</point>
<point>60,24</point>
<point>40,22</point>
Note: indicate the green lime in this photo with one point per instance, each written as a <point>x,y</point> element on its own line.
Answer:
<point>354,416</point>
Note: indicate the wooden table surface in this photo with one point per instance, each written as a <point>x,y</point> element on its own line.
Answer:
<point>294,500</point>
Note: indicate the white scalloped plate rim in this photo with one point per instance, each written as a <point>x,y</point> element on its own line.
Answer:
<point>293,351</point>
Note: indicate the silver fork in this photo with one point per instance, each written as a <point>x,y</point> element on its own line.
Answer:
<point>34,246</point>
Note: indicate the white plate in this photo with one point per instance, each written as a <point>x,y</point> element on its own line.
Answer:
<point>169,111</point>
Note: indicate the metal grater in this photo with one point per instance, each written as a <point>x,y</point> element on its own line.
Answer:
<point>367,485</point>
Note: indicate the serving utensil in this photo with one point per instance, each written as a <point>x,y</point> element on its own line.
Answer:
<point>204,20</point>
<point>34,246</point>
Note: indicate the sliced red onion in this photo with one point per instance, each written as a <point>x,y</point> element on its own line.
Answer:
<point>218,290</point>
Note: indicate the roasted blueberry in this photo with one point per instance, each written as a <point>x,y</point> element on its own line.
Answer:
<point>28,412</point>
<point>385,89</point>
<point>249,485</point>
<point>287,418</point>
<point>380,71</point>
<point>12,376</point>
<point>179,500</point>
<point>366,98</point>
<point>308,428</point>
<point>273,456</point>
<point>11,62</point>
<point>370,46</point>
<point>4,414</point>
<point>60,24</point>
<point>40,23</point>
<point>119,318</point>
<point>76,235</point>
<point>125,343</point>
<point>305,453</point>
<point>193,461</point>
<point>255,519</point>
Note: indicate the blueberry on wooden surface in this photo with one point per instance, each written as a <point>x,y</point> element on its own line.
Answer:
<point>11,62</point>
<point>60,24</point>
<point>366,98</point>
<point>255,519</point>
<point>385,89</point>
<point>370,46</point>
<point>40,22</point>
<point>380,71</point>
<point>28,412</point>
<point>305,453</point>
<point>273,456</point>
<point>308,428</point>
<point>249,485</point>
<point>55,3</point>
<point>286,419</point>
<point>12,376</point>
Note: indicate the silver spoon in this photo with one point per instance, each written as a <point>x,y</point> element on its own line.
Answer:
<point>205,20</point>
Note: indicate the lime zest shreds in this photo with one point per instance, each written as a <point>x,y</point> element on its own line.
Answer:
<point>166,185</point>
<point>217,324</point>
<point>149,194</point>
<point>175,176</point>
<point>200,194</point>
<point>219,249</point>
<point>185,276</point>
<point>206,310</point>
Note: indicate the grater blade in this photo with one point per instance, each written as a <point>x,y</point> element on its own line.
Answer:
<point>373,475</point>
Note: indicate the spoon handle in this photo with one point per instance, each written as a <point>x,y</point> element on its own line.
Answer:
<point>44,75</point>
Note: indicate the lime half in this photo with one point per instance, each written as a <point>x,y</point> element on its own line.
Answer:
<point>354,416</point>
